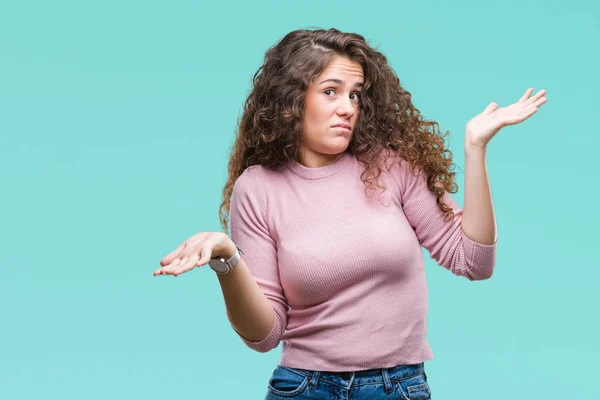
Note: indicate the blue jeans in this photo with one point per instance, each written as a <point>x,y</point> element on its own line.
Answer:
<point>402,382</point>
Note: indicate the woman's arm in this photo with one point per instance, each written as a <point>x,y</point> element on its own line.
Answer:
<point>478,220</point>
<point>256,304</point>
<point>248,309</point>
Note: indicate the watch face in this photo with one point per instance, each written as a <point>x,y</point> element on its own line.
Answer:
<point>218,265</point>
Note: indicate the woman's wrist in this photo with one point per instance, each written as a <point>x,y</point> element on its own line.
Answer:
<point>227,249</point>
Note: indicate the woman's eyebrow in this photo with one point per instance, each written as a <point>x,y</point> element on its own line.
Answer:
<point>341,82</point>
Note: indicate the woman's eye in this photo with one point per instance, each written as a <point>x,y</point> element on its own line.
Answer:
<point>355,94</point>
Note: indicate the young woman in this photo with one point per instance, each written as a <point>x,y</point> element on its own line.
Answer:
<point>313,259</point>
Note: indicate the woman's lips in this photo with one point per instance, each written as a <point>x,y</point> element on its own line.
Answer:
<point>344,127</point>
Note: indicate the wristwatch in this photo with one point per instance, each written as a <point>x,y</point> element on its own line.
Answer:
<point>223,266</point>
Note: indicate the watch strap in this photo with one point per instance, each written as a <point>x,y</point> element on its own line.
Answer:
<point>232,262</point>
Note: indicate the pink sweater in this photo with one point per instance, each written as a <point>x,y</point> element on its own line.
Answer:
<point>345,274</point>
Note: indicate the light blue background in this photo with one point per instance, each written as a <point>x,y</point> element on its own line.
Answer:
<point>115,126</point>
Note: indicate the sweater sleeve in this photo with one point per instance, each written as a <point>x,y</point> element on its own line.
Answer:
<point>250,233</point>
<point>445,240</point>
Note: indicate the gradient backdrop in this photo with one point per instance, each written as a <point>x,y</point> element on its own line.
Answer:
<point>116,119</point>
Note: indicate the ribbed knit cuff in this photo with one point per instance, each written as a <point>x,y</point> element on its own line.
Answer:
<point>480,257</point>
<point>268,343</point>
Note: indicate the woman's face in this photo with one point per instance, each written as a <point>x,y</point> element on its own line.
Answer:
<point>332,99</point>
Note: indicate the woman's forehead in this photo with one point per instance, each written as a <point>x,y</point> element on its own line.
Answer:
<point>342,69</point>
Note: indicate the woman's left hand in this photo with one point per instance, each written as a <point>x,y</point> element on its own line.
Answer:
<point>482,128</point>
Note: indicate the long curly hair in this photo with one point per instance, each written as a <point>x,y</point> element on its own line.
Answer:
<point>269,132</point>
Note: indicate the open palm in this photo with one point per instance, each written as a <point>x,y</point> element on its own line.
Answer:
<point>482,128</point>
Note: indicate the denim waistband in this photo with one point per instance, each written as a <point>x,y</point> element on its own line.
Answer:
<point>385,376</point>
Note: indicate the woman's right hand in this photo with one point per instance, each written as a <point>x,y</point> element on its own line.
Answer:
<point>197,250</point>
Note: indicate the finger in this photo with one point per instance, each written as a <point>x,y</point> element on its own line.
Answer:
<point>186,265</point>
<point>168,269</point>
<point>188,252</point>
<point>527,112</point>
<point>172,255</point>
<point>532,111</point>
<point>490,108</point>
<point>540,101</point>
<point>526,95</point>
<point>537,96</point>
<point>205,256</point>
<point>161,271</point>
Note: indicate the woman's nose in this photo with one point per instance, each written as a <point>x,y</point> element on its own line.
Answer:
<point>346,108</point>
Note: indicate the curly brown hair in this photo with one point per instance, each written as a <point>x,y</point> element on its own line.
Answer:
<point>269,131</point>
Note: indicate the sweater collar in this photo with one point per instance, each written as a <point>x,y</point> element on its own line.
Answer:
<point>320,172</point>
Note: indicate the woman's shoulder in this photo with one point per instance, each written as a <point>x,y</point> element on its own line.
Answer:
<point>262,173</point>
<point>256,176</point>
